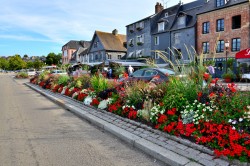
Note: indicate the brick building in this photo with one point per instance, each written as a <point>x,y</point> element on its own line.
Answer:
<point>222,22</point>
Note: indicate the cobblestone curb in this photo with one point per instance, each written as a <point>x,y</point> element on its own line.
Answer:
<point>162,146</point>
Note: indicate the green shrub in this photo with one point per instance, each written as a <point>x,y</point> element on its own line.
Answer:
<point>98,83</point>
<point>63,80</point>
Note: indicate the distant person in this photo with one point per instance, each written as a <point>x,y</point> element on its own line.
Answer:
<point>211,70</point>
<point>130,70</point>
<point>110,73</point>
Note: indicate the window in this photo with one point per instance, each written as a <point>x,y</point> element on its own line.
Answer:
<point>131,28</point>
<point>220,25</point>
<point>177,53</point>
<point>156,40</point>
<point>220,3</point>
<point>130,55</point>
<point>139,53</point>
<point>119,56</point>
<point>182,21</point>
<point>236,44</point>
<point>236,22</point>
<point>161,26</point>
<point>95,44</point>
<point>220,46</point>
<point>176,38</point>
<point>139,25</point>
<point>156,55</point>
<point>205,47</point>
<point>109,56</point>
<point>205,27</point>
<point>96,57</point>
<point>140,39</point>
<point>131,42</point>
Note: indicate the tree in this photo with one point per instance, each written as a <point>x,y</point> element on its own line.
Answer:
<point>4,63</point>
<point>38,64</point>
<point>53,58</point>
<point>29,64</point>
<point>16,63</point>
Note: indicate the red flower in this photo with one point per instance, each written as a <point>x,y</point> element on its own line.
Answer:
<point>132,114</point>
<point>206,76</point>
<point>162,118</point>
<point>172,111</point>
<point>95,102</point>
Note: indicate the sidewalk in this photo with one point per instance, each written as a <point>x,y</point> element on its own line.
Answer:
<point>171,150</point>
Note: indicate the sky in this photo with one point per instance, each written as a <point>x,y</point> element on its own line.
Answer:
<point>37,28</point>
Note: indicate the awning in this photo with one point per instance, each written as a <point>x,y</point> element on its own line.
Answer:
<point>243,54</point>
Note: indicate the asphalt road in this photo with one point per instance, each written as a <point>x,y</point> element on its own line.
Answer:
<point>36,132</point>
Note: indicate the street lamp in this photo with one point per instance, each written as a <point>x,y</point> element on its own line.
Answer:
<point>227,46</point>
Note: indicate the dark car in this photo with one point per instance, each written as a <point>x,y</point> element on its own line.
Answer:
<point>150,74</point>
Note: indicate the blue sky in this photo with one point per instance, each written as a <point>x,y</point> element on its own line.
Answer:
<point>37,28</point>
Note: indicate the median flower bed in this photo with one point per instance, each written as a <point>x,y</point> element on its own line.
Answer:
<point>195,107</point>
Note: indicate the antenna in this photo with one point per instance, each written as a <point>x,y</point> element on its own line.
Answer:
<point>165,3</point>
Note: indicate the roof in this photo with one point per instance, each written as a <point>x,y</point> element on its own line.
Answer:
<point>112,42</point>
<point>210,5</point>
<point>74,44</point>
<point>189,9</point>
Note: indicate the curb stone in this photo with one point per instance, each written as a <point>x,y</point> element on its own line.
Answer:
<point>180,153</point>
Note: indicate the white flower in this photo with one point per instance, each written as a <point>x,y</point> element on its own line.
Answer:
<point>233,128</point>
<point>230,120</point>
<point>241,119</point>
<point>87,100</point>
<point>103,104</point>
<point>234,122</point>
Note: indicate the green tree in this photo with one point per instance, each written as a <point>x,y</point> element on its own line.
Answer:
<point>38,64</point>
<point>29,64</point>
<point>4,63</point>
<point>53,58</point>
<point>16,63</point>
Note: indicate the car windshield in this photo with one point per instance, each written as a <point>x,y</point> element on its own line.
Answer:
<point>170,72</point>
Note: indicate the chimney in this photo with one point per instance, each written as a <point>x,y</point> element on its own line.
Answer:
<point>158,7</point>
<point>115,32</point>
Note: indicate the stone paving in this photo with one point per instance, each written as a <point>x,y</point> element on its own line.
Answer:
<point>169,149</point>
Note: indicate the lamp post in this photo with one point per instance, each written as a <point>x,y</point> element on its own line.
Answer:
<point>227,46</point>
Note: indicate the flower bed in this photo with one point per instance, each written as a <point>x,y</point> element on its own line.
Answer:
<point>215,116</point>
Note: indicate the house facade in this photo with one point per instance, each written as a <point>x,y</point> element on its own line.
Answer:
<point>139,36</point>
<point>171,31</point>
<point>105,46</point>
<point>223,30</point>
<point>69,48</point>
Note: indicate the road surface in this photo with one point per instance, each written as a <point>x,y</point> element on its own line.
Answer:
<point>36,132</point>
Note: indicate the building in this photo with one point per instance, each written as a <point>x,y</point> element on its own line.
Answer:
<point>69,48</point>
<point>171,31</point>
<point>139,36</point>
<point>223,30</point>
<point>104,47</point>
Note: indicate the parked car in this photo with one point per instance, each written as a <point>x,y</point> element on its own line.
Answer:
<point>150,74</point>
<point>60,72</point>
<point>31,72</point>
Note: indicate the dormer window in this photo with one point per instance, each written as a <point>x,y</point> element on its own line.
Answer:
<point>140,25</point>
<point>161,26</point>
<point>220,3</point>
<point>182,19</point>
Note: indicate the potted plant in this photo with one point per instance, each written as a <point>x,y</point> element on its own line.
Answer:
<point>229,76</point>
